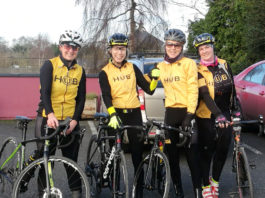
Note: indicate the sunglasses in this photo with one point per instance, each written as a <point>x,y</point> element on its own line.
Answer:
<point>68,47</point>
<point>171,45</point>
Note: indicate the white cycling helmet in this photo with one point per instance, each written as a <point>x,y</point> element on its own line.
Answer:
<point>71,37</point>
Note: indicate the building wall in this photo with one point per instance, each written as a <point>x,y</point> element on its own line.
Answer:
<point>19,95</point>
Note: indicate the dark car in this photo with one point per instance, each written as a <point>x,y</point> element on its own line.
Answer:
<point>250,88</point>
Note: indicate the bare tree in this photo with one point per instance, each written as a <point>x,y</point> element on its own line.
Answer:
<point>104,17</point>
<point>199,6</point>
<point>41,49</point>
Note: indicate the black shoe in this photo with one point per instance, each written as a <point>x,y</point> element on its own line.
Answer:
<point>179,191</point>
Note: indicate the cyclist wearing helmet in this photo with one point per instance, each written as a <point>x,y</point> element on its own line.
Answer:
<point>118,82</point>
<point>178,75</point>
<point>217,98</point>
<point>63,90</point>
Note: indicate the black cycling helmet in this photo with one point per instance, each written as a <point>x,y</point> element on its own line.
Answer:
<point>118,39</point>
<point>204,38</point>
<point>175,35</point>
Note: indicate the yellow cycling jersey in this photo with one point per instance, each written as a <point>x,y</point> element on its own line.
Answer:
<point>212,82</point>
<point>180,81</point>
<point>123,85</point>
<point>64,88</point>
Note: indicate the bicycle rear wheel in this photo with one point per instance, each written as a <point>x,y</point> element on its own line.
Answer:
<point>10,170</point>
<point>36,185</point>
<point>243,176</point>
<point>93,167</point>
<point>119,177</point>
<point>155,172</point>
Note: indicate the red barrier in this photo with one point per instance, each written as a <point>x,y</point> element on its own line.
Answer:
<point>20,95</point>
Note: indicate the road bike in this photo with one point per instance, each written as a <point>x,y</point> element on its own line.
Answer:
<point>20,177</point>
<point>12,158</point>
<point>240,163</point>
<point>106,164</point>
<point>153,174</point>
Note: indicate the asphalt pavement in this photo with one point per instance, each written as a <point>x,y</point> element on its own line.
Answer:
<point>254,146</point>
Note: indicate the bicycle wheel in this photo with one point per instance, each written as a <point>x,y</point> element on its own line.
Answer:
<point>36,185</point>
<point>155,172</point>
<point>119,177</point>
<point>244,181</point>
<point>10,170</point>
<point>93,167</point>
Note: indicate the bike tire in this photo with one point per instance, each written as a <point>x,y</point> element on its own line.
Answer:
<point>10,171</point>
<point>156,184</point>
<point>243,176</point>
<point>93,167</point>
<point>61,189</point>
<point>119,178</point>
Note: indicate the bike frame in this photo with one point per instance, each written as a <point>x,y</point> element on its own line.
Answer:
<point>159,139</point>
<point>22,146</point>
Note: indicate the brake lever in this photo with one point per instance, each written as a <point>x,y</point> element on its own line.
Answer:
<point>64,131</point>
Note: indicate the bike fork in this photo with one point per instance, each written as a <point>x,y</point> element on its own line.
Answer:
<point>48,168</point>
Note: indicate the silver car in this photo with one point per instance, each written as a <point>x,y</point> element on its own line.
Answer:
<point>152,106</point>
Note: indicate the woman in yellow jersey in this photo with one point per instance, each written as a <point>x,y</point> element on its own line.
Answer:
<point>118,82</point>
<point>63,92</point>
<point>178,75</point>
<point>217,97</point>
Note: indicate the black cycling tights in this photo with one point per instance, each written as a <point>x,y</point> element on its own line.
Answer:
<point>213,147</point>
<point>135,145</point>
<point>174,117</point>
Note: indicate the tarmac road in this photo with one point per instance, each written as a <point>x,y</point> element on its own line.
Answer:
<point>254,146</point>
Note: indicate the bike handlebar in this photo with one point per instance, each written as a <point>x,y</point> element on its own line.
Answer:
<point>238,122</point>
<point>63,126</point>
<point>159,125</point>
<point>80,132</point>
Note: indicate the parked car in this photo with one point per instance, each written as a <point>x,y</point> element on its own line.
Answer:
<point>250,88</point>
<point>152,106</point>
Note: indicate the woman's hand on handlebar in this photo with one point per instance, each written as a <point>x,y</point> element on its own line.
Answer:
<point>52,121</point>
<point>222,121</point>
<point>72,126</point>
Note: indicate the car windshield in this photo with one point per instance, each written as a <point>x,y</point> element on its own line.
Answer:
<point>256,75</point>
<point>147,68</point>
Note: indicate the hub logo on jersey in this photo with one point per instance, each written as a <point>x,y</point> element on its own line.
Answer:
<point>120,78</point>
<point>66,80</point>
<point>171,79</point>
<point>219,78</point>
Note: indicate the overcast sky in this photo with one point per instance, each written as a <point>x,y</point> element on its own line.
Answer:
<point>31,17</point>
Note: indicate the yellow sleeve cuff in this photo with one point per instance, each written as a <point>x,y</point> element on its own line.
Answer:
<point>111,110</point>
<point>153,84</point>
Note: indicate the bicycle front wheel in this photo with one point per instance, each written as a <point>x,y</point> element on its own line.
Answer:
<point>119,177</point>
<point>9,171</point>
<point>94,166</point>
<point>243,176</point>
<point>152,177</point>
<point>32,181</point>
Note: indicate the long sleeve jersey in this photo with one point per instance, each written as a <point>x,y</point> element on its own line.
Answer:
<point>216,82</point>
<point>63,89</point>
<point>119,85</point>
<point>180,81</point>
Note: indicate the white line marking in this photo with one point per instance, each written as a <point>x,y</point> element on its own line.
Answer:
<point>92,127</point>
<point>254,150</point>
